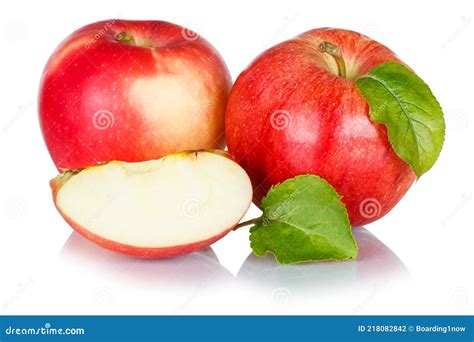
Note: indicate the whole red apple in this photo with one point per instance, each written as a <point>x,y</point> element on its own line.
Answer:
<point>132,91</point>
<point>296,110</point>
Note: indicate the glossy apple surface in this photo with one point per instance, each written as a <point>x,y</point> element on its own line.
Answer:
<point>291,113</point>
<point>155,209</point>
<point>132,91</point>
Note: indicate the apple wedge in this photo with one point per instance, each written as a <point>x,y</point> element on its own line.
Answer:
<point>155,209</point>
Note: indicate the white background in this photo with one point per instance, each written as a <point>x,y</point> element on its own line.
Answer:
<point>423,266</point>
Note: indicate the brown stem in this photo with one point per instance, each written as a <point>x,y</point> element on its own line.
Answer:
<point>247,223</point>
<point>335,52</point>
<point>124,37</point>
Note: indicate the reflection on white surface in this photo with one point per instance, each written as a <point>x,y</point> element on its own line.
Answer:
<point>375,262</point>
<point>166,285</point>
<point>349,284</point>
<point>195,268</point>
<point>89,279</point>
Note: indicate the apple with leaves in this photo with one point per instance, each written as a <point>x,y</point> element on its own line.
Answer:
<point>339,105</point>
<point>331,127</point>
<point>132,91</point>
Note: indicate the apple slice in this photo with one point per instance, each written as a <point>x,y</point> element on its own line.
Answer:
<point>155,209</point>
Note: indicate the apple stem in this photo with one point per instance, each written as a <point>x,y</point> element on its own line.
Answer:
<point>335,52</point>
<point>249,222</point>
<point>124,37</point>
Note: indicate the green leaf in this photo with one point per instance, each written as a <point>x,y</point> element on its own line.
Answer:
<point>303,220</point>
<point>404,103</point>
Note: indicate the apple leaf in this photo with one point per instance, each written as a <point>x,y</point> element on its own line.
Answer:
<point>404,103</point>
<point>303,220</point>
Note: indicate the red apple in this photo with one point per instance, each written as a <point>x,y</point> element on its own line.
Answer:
<point>155,209</point>
<point>296,110</point>
<point>132,91</point>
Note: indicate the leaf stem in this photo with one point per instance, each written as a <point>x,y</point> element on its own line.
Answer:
<point>249,222</point>
<point>335,52</point>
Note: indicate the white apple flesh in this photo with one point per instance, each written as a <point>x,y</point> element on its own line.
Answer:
<point>159,208</point>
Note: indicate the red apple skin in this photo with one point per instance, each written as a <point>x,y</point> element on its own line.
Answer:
<point>102,99</point>
<point>141,252</point>
<point>290,114</point>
